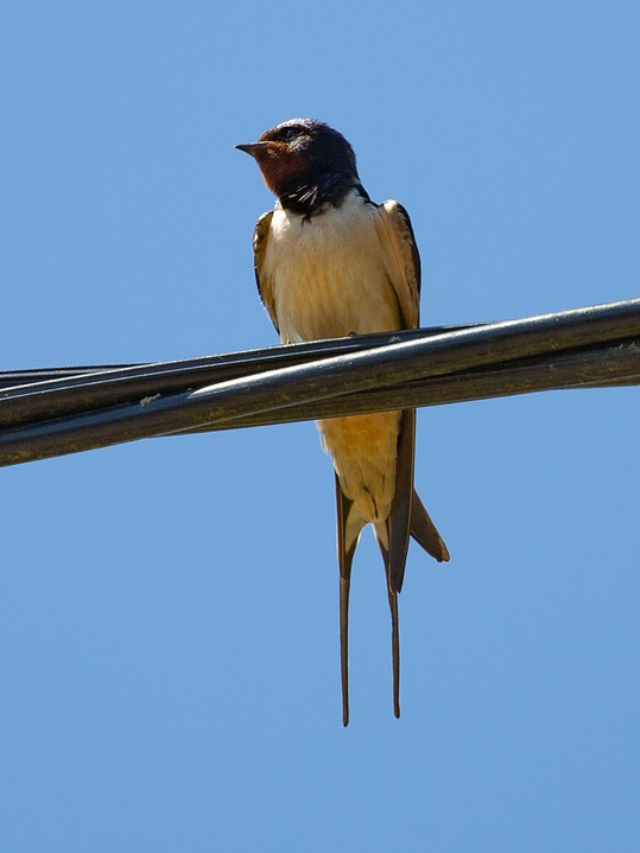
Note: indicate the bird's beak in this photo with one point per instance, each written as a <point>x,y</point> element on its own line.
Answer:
<point>253,148</point>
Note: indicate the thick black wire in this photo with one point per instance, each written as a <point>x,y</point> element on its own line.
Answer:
<point>53,412</point>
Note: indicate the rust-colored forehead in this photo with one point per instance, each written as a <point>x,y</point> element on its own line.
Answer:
<point>271,136</point>
<point>299,150</point>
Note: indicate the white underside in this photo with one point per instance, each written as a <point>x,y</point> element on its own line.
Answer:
<point>329,279</point>
<point>329,275</point>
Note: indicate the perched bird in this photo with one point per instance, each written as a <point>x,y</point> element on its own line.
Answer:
<point>329,263</point>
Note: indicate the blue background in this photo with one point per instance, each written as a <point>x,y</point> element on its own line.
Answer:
<point>169,673</point>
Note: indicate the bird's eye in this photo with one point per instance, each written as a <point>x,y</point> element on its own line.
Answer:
<point>290,133</point>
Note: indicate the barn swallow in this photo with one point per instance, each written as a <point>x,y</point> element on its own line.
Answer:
<point>329,263</point>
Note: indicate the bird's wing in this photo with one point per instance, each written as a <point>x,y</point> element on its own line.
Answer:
<point>265,287</point>
<point>402,263</point>
<point>397,531</point>
<point>401,258</point>
<point>426,533</point>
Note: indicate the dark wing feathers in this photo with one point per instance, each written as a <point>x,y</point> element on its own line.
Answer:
<point>402,259</point>
<point>425,532</point>
<point>265,288</point>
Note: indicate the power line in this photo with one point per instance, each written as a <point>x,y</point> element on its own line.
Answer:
<point>51,412</point>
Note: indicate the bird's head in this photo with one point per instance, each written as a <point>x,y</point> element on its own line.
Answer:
<point>300,151</point>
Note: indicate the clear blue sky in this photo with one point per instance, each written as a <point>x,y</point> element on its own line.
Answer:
<point>169,675</point>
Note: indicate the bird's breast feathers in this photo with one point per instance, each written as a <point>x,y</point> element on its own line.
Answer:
<point>346,270</point>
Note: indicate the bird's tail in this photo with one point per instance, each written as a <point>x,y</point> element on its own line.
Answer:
<point>407,517</point>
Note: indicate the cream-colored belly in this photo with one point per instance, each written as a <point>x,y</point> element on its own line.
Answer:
<point>364,449</point>
<point>328,275</point>
<point>329,280</point>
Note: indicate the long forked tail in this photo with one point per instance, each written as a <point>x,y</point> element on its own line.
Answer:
<point>347,542</point>
<point>407,517</point>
